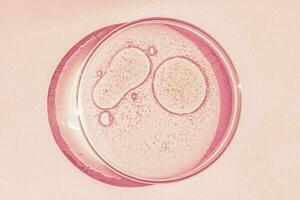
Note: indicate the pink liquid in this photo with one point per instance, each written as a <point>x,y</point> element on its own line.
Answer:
<point>153,103</point>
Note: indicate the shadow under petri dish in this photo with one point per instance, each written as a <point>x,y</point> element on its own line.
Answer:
<point>150,101</point>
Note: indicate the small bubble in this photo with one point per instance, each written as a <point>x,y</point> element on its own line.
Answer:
<point>106,118</point>
<point>129,44</point>
<point>134,96</point>
<point>99,73</point>
<point>164,147</point>
<point>152,51</point>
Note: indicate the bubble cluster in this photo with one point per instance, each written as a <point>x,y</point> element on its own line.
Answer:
<point>179,86</point>
<point>128,69</point>
<point>105,118</point>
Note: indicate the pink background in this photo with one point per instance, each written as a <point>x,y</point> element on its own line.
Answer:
<point>261,37</point>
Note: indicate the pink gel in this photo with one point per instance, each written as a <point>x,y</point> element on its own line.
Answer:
<point>145,134</point>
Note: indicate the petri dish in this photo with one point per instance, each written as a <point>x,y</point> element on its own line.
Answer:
<point>151,101</point>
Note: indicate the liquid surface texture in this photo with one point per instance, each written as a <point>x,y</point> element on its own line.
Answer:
<point>145,102</point>
<point>162,95</point>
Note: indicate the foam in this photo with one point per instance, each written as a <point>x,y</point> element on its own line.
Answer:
<point>128,69</point>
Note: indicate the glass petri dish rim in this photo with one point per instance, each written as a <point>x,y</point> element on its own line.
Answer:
<point>235,87</point>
